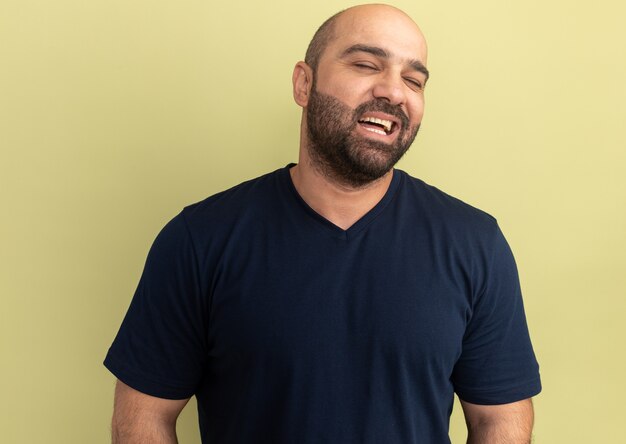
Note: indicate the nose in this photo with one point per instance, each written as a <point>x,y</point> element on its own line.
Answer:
<point>391,88</point>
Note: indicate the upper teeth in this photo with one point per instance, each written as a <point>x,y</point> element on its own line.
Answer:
<point>386,123</point>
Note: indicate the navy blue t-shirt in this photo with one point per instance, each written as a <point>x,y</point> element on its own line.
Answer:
<point>289,329</point>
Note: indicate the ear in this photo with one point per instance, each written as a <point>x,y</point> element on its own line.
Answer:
<point>302,83</point>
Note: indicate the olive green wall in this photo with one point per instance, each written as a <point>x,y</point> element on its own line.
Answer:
<point>115,114</point>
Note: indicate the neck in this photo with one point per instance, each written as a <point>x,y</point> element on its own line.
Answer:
<point>340,204</point>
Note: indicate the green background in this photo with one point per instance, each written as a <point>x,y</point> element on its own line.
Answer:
<point>116,114</point>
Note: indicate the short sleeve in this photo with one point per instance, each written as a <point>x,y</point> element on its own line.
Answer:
<point>497,363</point>
<point>160,348</point>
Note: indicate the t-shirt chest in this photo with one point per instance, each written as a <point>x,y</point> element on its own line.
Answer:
<point>325,298</point>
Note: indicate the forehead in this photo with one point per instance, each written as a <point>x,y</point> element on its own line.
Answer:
<point>385,28</point>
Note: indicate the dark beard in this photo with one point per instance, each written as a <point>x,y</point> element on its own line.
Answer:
<point>341,154</point>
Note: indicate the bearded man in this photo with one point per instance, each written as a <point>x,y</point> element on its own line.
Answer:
<point>338,300</point>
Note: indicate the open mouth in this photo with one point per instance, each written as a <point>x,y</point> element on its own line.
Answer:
<point>378,126</point>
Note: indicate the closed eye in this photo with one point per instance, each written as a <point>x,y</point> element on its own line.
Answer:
<point>414,83</point>
<point>365,66</point>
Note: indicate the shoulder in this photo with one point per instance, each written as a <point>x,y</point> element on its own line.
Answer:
<point>429,203</point>
<point>244,201</point>
<point>203,230</point>
<point>253,191</point>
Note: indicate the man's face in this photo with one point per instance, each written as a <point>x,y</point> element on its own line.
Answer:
<point>341,152</point>
<point>366,103</point>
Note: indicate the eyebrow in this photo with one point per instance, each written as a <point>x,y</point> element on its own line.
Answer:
<point>380,52</point>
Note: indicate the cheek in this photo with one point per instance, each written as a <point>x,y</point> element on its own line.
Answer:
<point>416,111</point>
<point>350,91</point>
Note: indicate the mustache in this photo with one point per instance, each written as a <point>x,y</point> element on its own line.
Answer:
<point>383,106</point>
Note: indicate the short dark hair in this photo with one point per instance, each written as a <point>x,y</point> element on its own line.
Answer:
<point>324,34</point>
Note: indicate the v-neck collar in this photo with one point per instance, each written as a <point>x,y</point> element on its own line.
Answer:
<point>330,227</point>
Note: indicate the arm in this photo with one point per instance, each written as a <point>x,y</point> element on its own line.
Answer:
<point>499,424</point>
<point>139,418</point>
